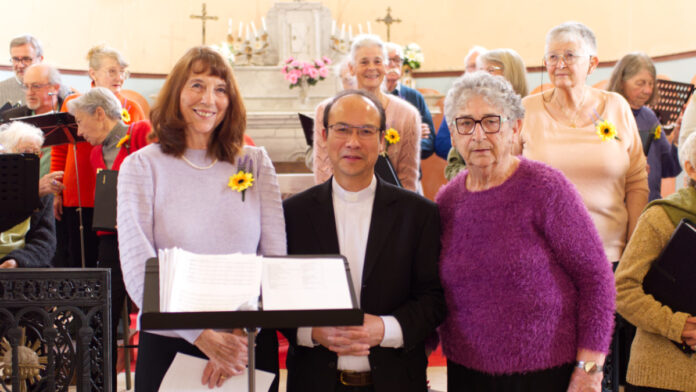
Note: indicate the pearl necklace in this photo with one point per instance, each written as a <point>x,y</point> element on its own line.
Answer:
<point>193,165</point>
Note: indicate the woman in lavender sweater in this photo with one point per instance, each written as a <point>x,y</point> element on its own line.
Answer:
<point>529,291</point>
<point>181,191</point>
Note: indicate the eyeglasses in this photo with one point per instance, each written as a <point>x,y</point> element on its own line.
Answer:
<point>345,131</point>
<point>113,72</point>
<point>24,60</point>
<point>569,58</point>
<point>490,124</point>
<point>493,69</point>
<point>34,86</point>
<point>395,60</point>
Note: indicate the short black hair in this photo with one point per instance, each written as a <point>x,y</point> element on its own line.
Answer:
<point>370,97</point>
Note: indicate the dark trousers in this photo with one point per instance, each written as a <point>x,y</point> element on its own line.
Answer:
<point>461,378</point>
<point>71,221</point>
<point>344,388</point>
<point>109,258</point>
<point>156,353</point>
<point>60,258</point>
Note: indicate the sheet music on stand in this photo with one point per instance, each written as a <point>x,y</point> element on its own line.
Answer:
<point>673,98</point>
<point>19,188</point>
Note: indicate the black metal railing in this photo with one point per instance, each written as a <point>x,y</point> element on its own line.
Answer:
<point>54,329</point>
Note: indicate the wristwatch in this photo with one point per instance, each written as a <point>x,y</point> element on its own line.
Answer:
<point>590,367</point>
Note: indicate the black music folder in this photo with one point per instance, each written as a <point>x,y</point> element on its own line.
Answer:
<point>19,188</point>
<point>104,217</point>
<point>385,170</point>
<point>307,128</point>
<point>673,99</point>
<point>672,275</point>
<point>58,128</point>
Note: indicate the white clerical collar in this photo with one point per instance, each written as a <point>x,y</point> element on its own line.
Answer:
<point>359,196</point>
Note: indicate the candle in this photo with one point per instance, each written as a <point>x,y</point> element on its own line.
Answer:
<point>263,23</point>
<point>240,30</point>
<point>369,28</point>
<point>253,28</point>
<point>343,30</point>
<point>333,27</point>
<point>247,32</point>
<point>359,28</point>
<point>229,26</point>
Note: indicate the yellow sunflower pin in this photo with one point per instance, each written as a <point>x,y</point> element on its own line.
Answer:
<point>123,141</point>
<point>606,130</point>
<point>392,136</point>
<point>658,131</point>
<point>125,116</point>
<point>241,181</point>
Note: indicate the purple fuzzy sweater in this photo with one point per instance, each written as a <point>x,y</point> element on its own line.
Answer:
<point>525,276</point>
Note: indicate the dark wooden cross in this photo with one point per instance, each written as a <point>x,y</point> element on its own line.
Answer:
<point>388,20</point>
<point>203,17</point>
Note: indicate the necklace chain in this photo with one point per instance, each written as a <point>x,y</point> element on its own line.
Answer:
<point>193,165</point>
<point>577,111</point>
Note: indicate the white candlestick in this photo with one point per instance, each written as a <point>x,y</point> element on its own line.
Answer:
<point>359,28</point>
<point>263,23</point>
<point>247,32</point>
<point>229,26</point>
<point>369,28</point>
<point>240,29</point>
<point>333,27</point>
<point>253,28</point>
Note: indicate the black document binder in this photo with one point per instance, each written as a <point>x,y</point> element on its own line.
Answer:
<point>19,188</point>
<point>672,275</point>
<point>152,318</point>
<point>104,217</point>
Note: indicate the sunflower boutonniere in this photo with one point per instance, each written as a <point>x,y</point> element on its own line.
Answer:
<point>125,116</point>
<point>658,131</point>
<point>605,129</point>
<point>124,140</point>
<point>243,179</point>
<point>392,137</point>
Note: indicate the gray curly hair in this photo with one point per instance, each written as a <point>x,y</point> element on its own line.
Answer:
<point>495,90</point>
<point>94,98</point>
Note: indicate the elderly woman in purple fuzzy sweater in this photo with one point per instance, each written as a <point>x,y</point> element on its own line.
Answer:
<point>530,293</point>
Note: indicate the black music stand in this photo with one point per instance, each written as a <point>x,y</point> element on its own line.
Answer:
<point>152,318</point>
<point>19,188</point>
<point>61,128</point>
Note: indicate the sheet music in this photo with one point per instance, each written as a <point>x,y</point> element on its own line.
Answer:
<point>195,283</point>
<point>304,284</point>
<point>185,373</point>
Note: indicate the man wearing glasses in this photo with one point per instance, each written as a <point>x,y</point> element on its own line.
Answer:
<point>412,96</point>
<point>391,239</point>
<point>25,51</point>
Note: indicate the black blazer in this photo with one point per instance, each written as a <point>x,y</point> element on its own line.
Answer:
<point>400,278</point>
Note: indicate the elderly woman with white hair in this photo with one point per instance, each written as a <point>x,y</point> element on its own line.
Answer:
<point>368,59</point>
<point>100,121</point>
<point>529,291</point>
<point>32,242</point>
<point>656,364</point>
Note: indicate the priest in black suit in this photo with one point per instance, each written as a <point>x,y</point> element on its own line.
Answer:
<point>412,96</point>
<point>390,237</point>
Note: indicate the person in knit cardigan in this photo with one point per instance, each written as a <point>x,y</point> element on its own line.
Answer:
<point>368,59</point>
<point>529,290</point>
<point>655,363</point>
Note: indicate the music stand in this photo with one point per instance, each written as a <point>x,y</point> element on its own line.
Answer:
<point>19,188</point>
<point>152,318</point>
<point>61,128</point>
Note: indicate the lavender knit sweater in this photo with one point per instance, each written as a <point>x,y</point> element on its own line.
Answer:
<point>525,276</point>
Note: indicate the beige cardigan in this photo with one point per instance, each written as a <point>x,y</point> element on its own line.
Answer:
<point>655,361</point>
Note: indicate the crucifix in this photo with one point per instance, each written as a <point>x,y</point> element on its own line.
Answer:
<point>203,17</point>
<point>388,20</point>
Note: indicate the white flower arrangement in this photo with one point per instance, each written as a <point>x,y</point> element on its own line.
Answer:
<point>413,56</point>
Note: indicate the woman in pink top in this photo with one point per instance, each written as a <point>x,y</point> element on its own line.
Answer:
<point>367,64</point>
<point>560,129</point>
<point>591,136</point>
